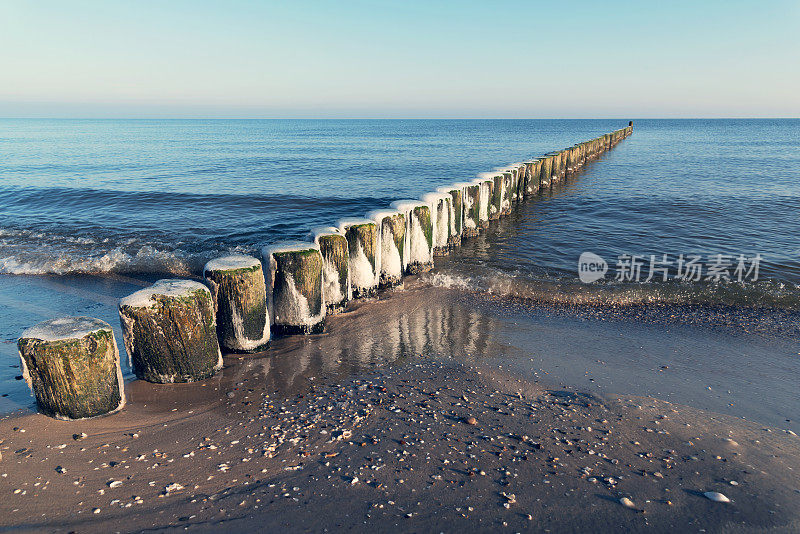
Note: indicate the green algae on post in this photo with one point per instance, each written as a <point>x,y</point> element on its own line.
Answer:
<point>170,332</point>
<point>336,288</point>
<point>72,366</point>
<point>391,226</point>
<point>365,255</point>
<point>240,298</point>
<point>419,235</point>
<point>294,287</point>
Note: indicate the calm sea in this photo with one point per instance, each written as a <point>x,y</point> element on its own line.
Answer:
<point>86,205</point>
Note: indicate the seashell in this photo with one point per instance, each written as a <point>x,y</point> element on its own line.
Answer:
<point>716,496</point>
<point>627,503</point>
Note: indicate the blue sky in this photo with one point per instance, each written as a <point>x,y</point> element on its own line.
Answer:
<point>407,58</point>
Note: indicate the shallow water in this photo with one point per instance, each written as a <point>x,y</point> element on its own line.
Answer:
<point>91,211</point>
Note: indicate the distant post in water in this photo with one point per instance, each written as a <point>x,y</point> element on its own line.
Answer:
<point>294,288</point>
<point>170,332</point>
<point>240,298</point>
<point>336,290</point>
<point>365,255</point>
<point>419,235</point>
<point>391,226</point>
<point>72,366</point>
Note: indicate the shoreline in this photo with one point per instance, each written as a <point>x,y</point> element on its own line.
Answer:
<point>211,438</point>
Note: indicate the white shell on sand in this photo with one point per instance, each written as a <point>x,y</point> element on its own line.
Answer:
<point>169,287</point>
<point>231,263</point>
<point>716,496</point>
<point>627,503</point>
<point>65,328</point>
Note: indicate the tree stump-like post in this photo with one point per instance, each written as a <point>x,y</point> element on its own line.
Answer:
<point>294,288</point>
<point>72,366</point>
<point>240,298</point>
<point>335,253</point>
<point>456,213</point>
<point>471,196</point>
<point>170,332</point>
<point>391,225</point>
<point>419,235</point>
<point>440,208</point>
<point>363,242</point>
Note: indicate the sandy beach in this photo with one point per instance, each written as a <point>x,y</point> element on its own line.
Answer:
<point>415,427</point>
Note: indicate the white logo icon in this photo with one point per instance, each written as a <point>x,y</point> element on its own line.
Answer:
<point>591,267</point>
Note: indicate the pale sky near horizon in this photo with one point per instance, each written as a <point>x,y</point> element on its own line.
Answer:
<point>382,58</point>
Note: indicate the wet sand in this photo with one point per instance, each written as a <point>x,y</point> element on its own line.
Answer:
<point>367,427</point>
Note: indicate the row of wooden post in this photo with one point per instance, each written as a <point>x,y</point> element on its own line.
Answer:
<point>175,330</point>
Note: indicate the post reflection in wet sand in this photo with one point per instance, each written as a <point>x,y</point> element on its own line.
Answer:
<point>402,327</point>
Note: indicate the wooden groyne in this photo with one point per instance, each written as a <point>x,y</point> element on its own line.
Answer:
<point>174,330</point>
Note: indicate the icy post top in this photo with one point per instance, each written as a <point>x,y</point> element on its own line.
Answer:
<point>463,185</point>
<point>449,188</point>
<point>324,230</point>
<point>355,221</point>
<point>231,263</point>
<point>408,204</point>
<point>488,175</point>
<point>65,328</point>
<point>432,198</point>
<point>169,287</point>
<point>379,215</point>
<point>289,246</point>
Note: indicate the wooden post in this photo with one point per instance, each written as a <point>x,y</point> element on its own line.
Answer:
<point>294,287</point>
<point>170,332</point>
<point>72,366</point>
<point>391,226</point>
<point>456,213</point>
<point>240,298</point>
<point>336,290</point>
<point>439,204</point>
<point>419,235</point>
<point>471,193</point>
<point>363,243</point>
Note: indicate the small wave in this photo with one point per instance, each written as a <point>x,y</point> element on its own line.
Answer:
<point>766,293</point>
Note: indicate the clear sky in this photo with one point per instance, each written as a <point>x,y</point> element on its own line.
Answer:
<point>408,58</point>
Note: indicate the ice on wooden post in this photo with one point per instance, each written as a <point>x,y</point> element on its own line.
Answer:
<point>72,366</point>
<point>294,287</point>
<point>336,290</point>
<point>471,196</point>
<point>485,193</point>
<point>391,226</point>
<point>441,213</point>
<point>456,213</point>
<point>497,194</point>
<point>240,299</point>
<point>419,235</point>
<point>363,242</point>
<point>170,332</point>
